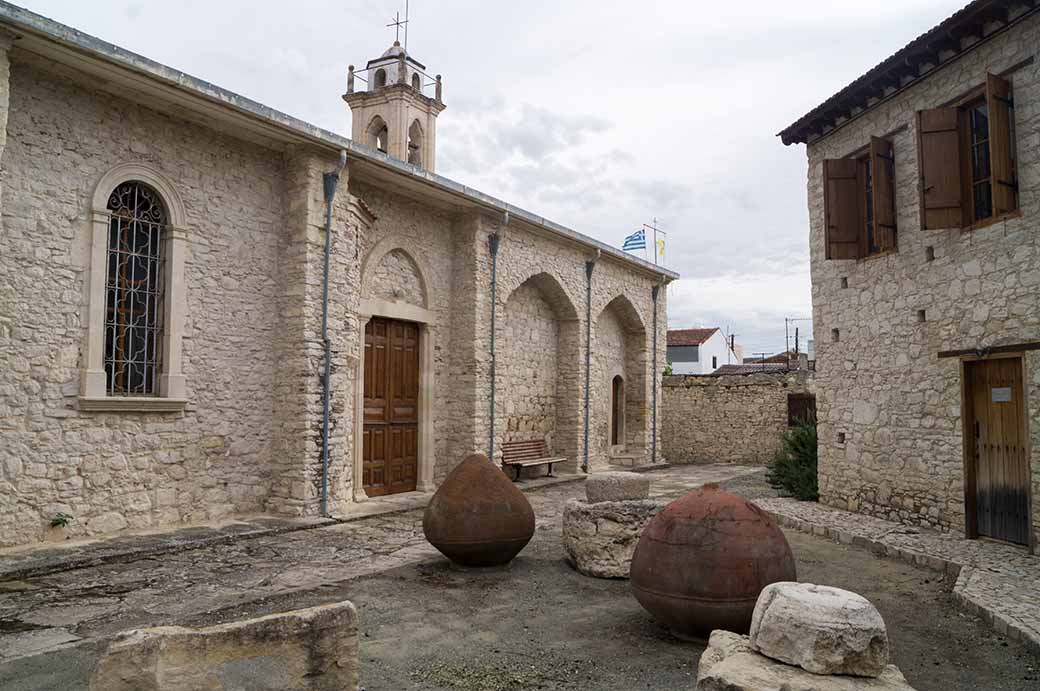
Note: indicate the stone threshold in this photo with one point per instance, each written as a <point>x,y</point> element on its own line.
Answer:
<point>997,582</point>
<point>19,563</point>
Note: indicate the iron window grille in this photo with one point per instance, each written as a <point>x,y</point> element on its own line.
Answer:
<point>134,290</point>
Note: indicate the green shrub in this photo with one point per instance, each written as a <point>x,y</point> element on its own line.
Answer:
<point>794,468</point>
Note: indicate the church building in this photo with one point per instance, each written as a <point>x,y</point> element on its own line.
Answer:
<point>209,308</point>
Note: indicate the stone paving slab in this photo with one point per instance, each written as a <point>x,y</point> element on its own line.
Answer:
<point>998,582</point>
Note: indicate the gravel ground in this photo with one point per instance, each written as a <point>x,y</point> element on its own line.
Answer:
<point>538,624</point>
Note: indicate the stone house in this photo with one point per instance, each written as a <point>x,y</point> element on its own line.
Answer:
<point>700,351</point>
<point>164,267</point>
<point>924,205</point>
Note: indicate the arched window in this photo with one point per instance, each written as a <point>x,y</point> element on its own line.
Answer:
<point>415,143</point>
<point>379,81</point>
<point>617,410</point>
<point>135,282</point>
<point>416,81</point>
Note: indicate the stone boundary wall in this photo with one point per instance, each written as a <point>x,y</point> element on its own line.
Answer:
<point>732,418</point>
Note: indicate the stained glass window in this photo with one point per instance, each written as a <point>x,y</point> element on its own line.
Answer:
<point>134,286</point>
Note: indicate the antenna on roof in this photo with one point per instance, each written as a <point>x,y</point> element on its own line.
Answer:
<point>406,26</point>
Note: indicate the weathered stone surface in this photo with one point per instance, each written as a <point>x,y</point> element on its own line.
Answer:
<point>312,649</point>
<point>822,629</point>
<point>600,538</point>
<point>729,664</point>
<point>616,486</point>
<point>976,289</point>
<point>731,418</point>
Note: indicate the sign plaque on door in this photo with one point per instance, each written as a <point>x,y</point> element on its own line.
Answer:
<point>1001,394</point>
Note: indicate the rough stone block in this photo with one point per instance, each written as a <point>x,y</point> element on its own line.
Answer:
<point>616,486</point>
<point>729,664</point>
<point>600,538</point>
<point>821,629</point>
<point>312,649</point>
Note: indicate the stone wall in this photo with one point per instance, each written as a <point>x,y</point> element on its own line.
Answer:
<point>249,439</point>
<point>890,421</point>
<point>729,419</point>
<point>117,470</point>
<point>528,342</point>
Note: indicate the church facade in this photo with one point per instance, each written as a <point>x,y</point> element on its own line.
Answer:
<point>163,263</point>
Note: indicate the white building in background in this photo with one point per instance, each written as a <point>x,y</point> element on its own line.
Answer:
<point>701,351</point>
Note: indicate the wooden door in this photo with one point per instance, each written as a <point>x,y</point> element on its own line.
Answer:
<point>997,485</point>
<point>390,442</point>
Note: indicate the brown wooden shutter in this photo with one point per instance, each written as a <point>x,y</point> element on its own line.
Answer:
<point>841,208</point>
<point>882,164</point>
<point>940,158</point>
<point>1002,172</point>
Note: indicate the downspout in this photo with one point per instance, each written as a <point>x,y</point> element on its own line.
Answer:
<point>330,181</point>
<point>589,266</point>
<point>493,241</point>
<point>653,396</point>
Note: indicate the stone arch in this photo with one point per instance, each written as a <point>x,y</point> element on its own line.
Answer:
<point>377,277</point>
<point>150,176</point>
<point>379,79</point>
<point>377,134</point>
<point>537,361</point>
<point>416,81</point>
<point>619,351</point>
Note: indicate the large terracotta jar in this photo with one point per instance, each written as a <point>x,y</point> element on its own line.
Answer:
<point>701,563</point>
<point>478,517</point>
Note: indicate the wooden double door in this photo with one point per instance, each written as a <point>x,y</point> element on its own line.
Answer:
<point>390,440</point>
<point>997,448</point>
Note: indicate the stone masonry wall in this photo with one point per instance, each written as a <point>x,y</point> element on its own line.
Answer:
<point>118,470</point>
<point>249,439</point>
<point>729,419</point>
<point>890,422</point>
<point>527,403</point>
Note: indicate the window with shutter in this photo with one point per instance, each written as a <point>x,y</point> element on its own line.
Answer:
<point>881,162</point>
<point>841,208</point>
<point>967,159</point>
<point>1001,146</point>
<point>939,142</point>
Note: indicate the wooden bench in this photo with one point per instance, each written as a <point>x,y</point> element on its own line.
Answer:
<point>525,454</point>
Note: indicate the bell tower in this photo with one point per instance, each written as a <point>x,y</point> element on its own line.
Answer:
<point>393,113</point>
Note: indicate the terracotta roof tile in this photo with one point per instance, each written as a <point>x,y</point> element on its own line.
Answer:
<point>689,337</point>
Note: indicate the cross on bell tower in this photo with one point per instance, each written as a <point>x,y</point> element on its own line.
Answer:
<point>396,110</point>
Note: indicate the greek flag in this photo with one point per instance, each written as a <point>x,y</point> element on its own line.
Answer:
<point>635,241</point>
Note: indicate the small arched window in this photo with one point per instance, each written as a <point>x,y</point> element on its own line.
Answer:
<point>379,81</point>
<point>617,410</point>
<point>415,143</point>
<point>416,81</point>
<point>135,282</point>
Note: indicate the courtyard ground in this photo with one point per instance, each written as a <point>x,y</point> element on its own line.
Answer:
<point>428,625</point>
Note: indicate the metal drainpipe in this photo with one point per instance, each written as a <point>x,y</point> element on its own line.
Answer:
<point>589,266</point>
<point>653,358</point>
<point>330,181</point>
<point>493,241</point>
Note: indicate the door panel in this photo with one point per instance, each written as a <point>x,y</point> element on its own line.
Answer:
<point>998,443</point>
<point>390,455</point>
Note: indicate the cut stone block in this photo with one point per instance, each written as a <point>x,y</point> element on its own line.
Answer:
<point>312,649</point>
<point>600,538</point>
<point>821,629</point>
<point>616,486</point>
<point>729,664</point>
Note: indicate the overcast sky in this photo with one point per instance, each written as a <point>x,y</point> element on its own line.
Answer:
<point>599,115</point>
